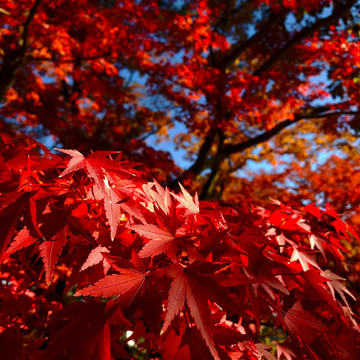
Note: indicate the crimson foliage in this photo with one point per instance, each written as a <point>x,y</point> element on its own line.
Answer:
<point>101,261</point>
<point>182,278</point>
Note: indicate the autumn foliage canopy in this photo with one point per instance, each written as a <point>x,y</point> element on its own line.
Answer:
<point>112,249</point>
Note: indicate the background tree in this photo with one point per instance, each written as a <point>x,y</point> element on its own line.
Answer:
<point>270,82</point>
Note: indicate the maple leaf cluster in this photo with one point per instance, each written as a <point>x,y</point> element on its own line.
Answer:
<point>101,261</point>
<point>126,260</point>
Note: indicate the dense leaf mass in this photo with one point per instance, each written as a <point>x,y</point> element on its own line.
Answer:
<point>112,249</point>
<point>172,267</point>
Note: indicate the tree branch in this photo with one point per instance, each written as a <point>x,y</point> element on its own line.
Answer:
<point>209,186</point>
<point>14,59</point>
<point>198,166</point>
<point>5,12</point>
<point>28,21</point>
<point>65,61</point>
<point>311,114</point>
<point>339,10</point>
<point>332,113</point>
<point>237,49</point>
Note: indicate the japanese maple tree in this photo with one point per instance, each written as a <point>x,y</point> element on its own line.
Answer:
<point>112,249</point>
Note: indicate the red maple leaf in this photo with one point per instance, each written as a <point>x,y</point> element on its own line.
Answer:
<point>184,287</point>
<point>282,350</point>
<point>50,251</point>
<point>97,166</point>
<point>127,286</point>
<point>302,323</point>
<point>21,240</point>
<point>95,257</point>
<point>9,217</point>
<point>162,240</point>
<point>187,202</point>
